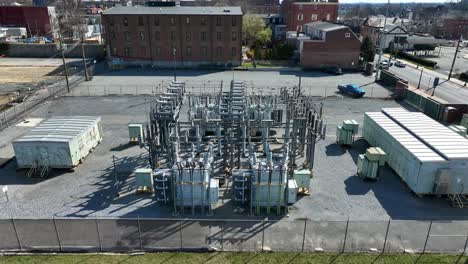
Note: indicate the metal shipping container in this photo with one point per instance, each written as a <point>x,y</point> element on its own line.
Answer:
<point>59,142</point>
<point>413,161</point>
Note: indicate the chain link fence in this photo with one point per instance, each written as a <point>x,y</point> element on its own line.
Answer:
<point>302,235</point>
<point>214,87</point>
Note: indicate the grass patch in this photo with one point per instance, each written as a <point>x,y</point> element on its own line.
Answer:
<point>227,257</point>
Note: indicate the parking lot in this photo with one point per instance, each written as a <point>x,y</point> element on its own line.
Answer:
<point>444,62</point>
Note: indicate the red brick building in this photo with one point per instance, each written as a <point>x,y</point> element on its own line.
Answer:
<point>297,14</point>
<point>454,28</point>
<point>38,21</point>
<point>328,45</point>
<point>200,36</point>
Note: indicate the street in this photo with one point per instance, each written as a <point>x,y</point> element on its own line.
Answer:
<point>447,90</point>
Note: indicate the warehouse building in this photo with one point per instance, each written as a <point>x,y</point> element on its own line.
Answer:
<point>166,35</point>
<point>38,21</point>
<point>429,157</point>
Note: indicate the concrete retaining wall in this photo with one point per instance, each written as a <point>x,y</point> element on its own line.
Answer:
<point>23,50</point>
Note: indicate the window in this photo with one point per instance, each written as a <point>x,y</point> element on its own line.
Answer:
<point>299,28</point>
<point>314,17</point>
<point>347,35</point>
<point>158,51</point>
<point>328,17</point>
<point>219,51</point>
<point>203,21</point>
<point>125,22</point>
<point>187,20</point>
<point>300,6</point>
<point>204,51</point>
<point>173,36</point>
<point>156,21</point>
<point>234,52</point>
<point>127,35</point>
<point>218,21</point>
<point>127,51</point>
<point>188,36</point>
<point>140,21</point>
<point>234,21</point>
<point>234,36</point>
<point>300,17</point>
<point>188,51</point>
<point>203,36</point>
<point>219,35</point>
<point>172,21</point>
<point>157,35</point>
<point>142,35</point>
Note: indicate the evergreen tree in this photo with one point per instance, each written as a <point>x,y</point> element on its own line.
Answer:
<point>367,50</point>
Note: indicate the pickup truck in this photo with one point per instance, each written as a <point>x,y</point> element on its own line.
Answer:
<point>352,89</point>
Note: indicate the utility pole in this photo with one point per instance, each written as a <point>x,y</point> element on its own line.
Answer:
<point>420,77</point>
<point>84,58</point>
<point>174,56</point>
<point>377,73</point>
<point>63,56</point>
<point>455,57</point>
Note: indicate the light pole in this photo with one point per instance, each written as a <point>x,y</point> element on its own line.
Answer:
<point>377,73</point>
<point>174,56</point>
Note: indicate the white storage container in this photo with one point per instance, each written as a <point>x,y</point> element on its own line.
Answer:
<point>292,191</point>
<point>60,142</point>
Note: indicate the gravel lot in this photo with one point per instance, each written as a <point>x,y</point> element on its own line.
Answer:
<point>90,190</point>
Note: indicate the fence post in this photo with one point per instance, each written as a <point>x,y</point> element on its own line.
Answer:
<point>303,235</point>
<point>98,233</point>
<point>88,90</point>
<point>263,234</point>
<point>16,114</point>
<point>345,236</point>
<point>386,235</point>
<point>222,235</point>
<point>105,91</point>
<point>17,236</point>
<point>120,90</point>
<point>180,233</point>
<point>464,250</point>
<point>139,233</point>
<point>57,233</point>
<point>5,117</point>
<point>427,237</point>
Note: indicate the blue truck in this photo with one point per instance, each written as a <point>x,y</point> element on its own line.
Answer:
<point>352,89</point>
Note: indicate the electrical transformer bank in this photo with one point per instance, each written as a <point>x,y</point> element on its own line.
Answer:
<point>231,145</point>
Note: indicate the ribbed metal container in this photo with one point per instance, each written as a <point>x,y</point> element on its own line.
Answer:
<point>59,142</point>
<point>418,148</point>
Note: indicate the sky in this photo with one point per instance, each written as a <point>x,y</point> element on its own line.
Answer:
<point>393,1</point>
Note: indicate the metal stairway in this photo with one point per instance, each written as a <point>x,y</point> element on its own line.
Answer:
<point>458,200</point>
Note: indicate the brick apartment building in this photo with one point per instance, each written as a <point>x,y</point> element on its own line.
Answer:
<point>327,44</point>
<point>200,36</point>
<point>298,13</point>
<point>454,28</point>
<point>38,21</point>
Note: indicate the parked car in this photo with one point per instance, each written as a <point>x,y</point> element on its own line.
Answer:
<point>400,64</point>
<point>388,62</point>
<point>352,89</point>
<point>333,70</point>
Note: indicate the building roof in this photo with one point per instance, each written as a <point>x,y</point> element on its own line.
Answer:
<point>325,26</point>
<point>59,129</point>
<point>425,40</point>
<point>174,10</point>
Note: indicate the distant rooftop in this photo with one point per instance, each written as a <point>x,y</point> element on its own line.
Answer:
<point>325,26</point>
<point>174,10</point>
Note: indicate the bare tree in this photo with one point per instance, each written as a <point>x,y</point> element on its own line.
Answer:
<point>71,19</point>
